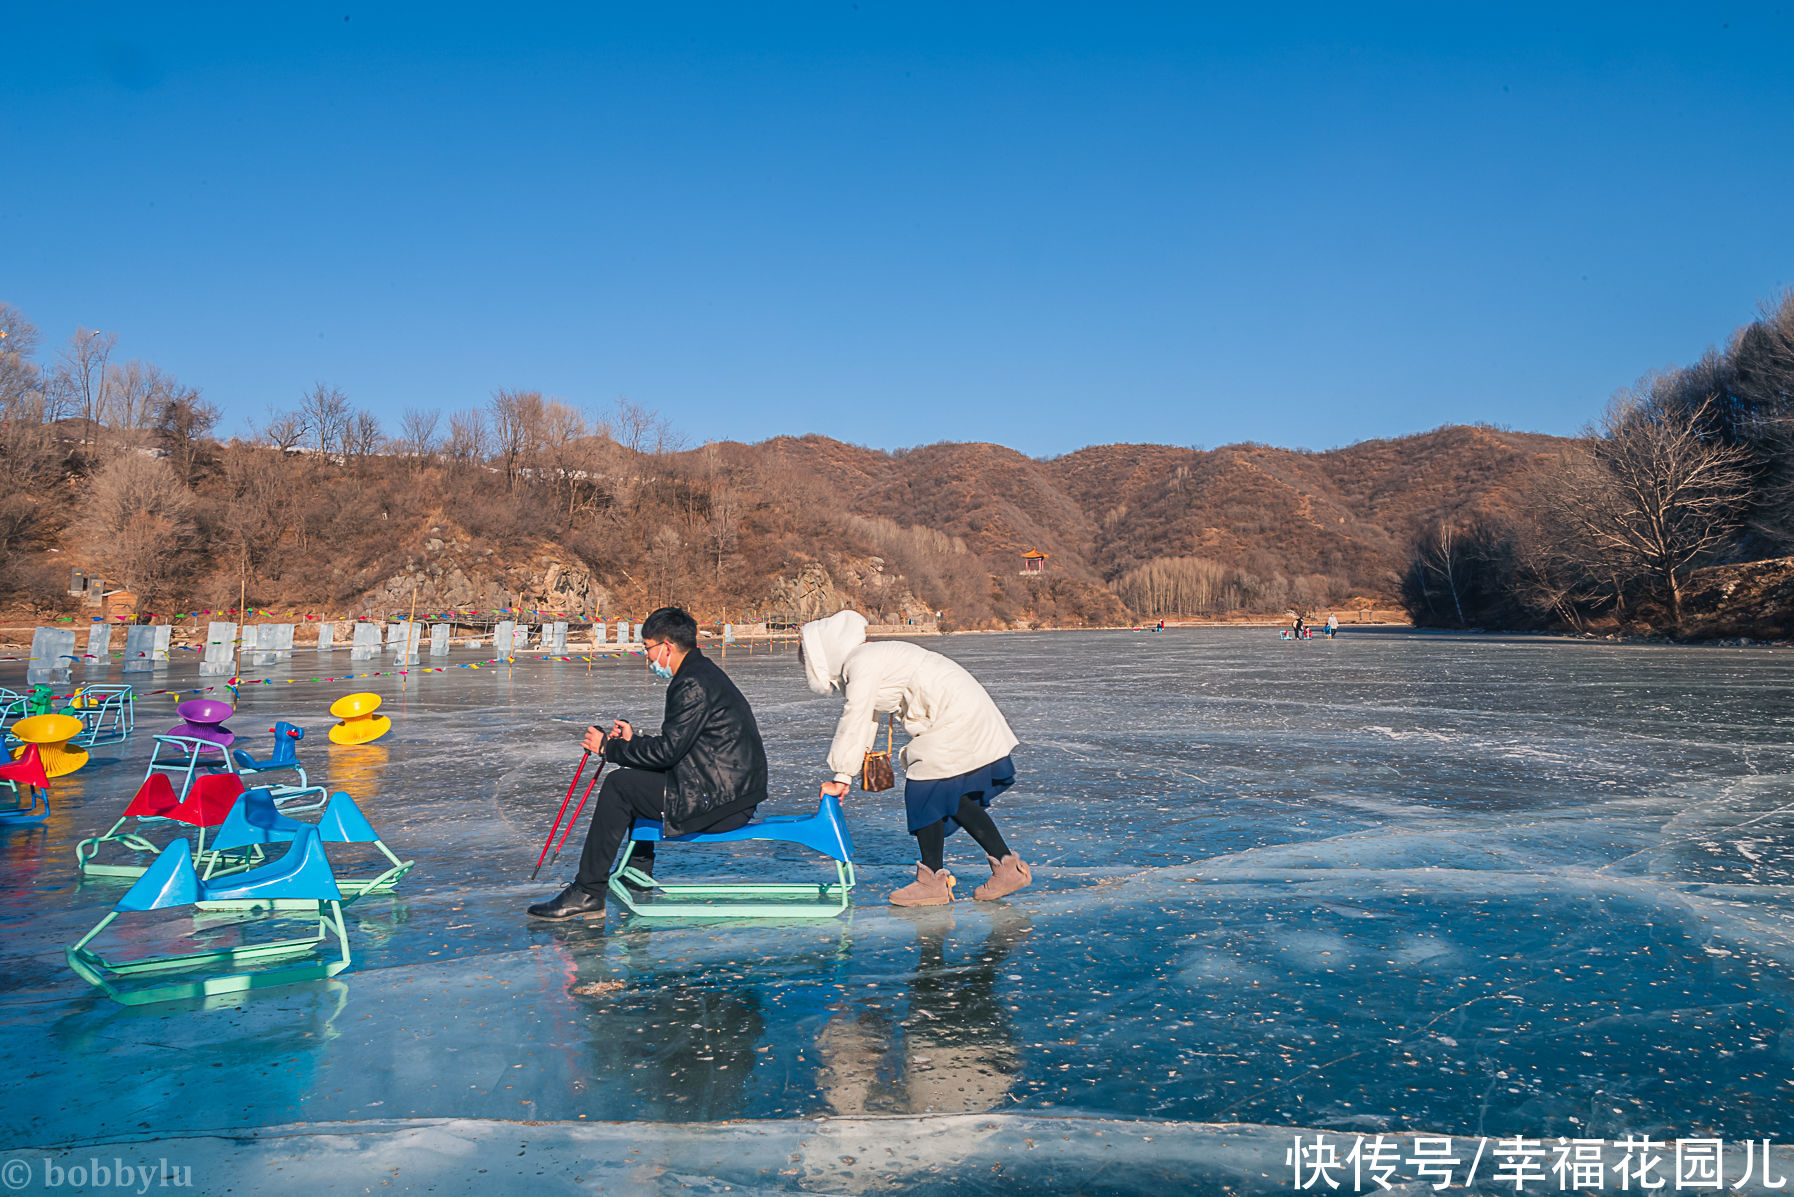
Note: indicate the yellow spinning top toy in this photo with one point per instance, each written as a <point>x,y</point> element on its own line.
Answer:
<point>359,723</point>
<point>51,734</point>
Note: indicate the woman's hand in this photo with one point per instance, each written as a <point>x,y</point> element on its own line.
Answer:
<point>622,731</point>
<point>834,789</point>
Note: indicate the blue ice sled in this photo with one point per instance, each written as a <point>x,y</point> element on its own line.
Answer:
<point>300,879</point>
<point>256,822</point>
<point>824,832</point>
<point>283,759</point>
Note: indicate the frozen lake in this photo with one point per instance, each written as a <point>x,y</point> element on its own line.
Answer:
<point>1392,883</point>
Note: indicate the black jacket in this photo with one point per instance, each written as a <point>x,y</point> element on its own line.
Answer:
<point>709,747</point>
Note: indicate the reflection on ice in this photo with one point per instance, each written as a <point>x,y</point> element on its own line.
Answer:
<point>1388,883</point>
<point>955,1050</point>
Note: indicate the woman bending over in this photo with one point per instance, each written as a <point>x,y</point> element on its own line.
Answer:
<point>957,759</point>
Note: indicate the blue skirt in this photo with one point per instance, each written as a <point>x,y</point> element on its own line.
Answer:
<point>931,801</point>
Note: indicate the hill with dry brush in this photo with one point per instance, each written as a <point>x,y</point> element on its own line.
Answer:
<point>115,468</point>
<point>531,502</point>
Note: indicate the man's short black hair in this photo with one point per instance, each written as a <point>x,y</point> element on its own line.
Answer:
<point>672,625</point>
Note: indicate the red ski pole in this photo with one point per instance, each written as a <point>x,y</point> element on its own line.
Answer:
<point>583,757</point>
<point>574,821</point>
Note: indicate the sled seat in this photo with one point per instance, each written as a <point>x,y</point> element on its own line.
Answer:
<point>205,806</point>
<point>30,787</point>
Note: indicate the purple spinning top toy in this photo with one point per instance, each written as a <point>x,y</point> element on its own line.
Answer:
<point>205,721</point>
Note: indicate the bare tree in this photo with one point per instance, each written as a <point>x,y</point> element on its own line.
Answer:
<point>724,531</point>
<point>1648,496</point>
<point>1162,586</point>
<point>21,386</point>
<point>139,522</point>
<point>665,565</point>
<point>131,395</point>
<point>282,429</point>
<point>1762,362</point>
<point>182,426</point>
<point>468,438</point>
<point>560,441</point>
<point>362,436</point>
<point>80,383</point>
<point>260,505</point>
<point>633,426</point>
<point>30,459</point>
<point>19,381</point>
<point>137,391</point>
<point>1439,557</point>
<point>326,413</point>
<point>645,438</point>
<point>417,434</point>
<point>516,429</point>
<point>1551,578</point>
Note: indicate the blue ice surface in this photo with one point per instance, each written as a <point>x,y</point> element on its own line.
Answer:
<point>1395,882</point>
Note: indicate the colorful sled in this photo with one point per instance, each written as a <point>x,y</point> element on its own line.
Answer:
<point>107,714</point>
<point>30,787</point>
<point>824,832</point>
<point>302,877</point>
<point>283,759</point>
<point>255,823</point>
<point>52,736</point>
<point>206,806</point>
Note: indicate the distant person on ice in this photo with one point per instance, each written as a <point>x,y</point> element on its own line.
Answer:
<point>957,759</point>
<point>705,771</point>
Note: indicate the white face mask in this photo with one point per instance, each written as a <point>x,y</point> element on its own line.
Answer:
<point>660,671</point>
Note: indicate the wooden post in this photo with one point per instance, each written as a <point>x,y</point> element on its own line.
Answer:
<point>237,670</point>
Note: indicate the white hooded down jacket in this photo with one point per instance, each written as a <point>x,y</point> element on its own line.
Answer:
<point>953,725</point>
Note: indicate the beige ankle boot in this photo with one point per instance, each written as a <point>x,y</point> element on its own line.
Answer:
<point>931,888</point>
<point>1006,876</point>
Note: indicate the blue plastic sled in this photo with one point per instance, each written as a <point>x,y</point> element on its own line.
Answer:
<point>256,822</point>
<point>300,880</point>
<point>824,832</point>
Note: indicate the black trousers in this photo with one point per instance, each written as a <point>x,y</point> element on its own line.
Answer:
<point>625,796</point>
<point>931,841</point>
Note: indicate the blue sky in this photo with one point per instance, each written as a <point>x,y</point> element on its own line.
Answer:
<point>1042,225</point>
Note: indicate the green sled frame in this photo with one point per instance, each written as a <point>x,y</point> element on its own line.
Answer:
<point>226,969</point>
<point>302,877</point>
<point>825,832</point>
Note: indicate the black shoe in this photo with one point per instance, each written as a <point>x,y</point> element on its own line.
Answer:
<point>571,903</point>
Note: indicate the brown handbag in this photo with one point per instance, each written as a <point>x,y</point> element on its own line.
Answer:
<point>876,773</point>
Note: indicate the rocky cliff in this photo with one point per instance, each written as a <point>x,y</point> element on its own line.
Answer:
<point>452,571</point>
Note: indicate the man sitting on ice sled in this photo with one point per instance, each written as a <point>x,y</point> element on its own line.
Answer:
<point>705,771</point>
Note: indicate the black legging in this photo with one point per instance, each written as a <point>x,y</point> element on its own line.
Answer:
<point>971,815</point>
